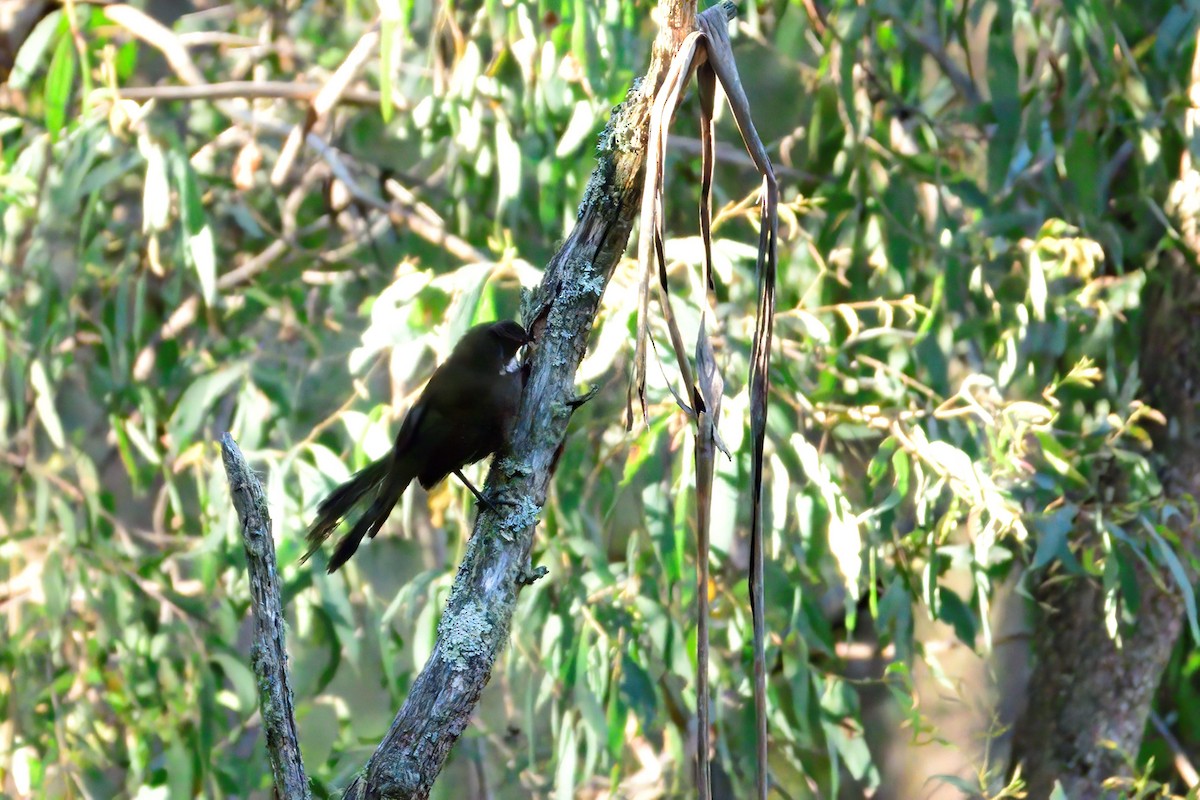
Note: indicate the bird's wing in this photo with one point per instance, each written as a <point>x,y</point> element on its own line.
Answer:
<point>408,428</point>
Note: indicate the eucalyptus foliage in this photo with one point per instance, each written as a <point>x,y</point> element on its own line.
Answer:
<point>974,198</point>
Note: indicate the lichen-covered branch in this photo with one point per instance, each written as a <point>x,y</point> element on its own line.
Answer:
<point>269,651</point>
<point>559,313</point>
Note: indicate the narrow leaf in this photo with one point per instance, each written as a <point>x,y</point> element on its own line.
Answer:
<point>59,81</point>
<point>1181,578</point>
<point>389,28</point>
<point>199,248</point>
<point>43,403</point>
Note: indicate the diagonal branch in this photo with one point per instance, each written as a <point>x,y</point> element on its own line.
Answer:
<point>324,102</point>
<point>235,90</point>
<point>560,312</point>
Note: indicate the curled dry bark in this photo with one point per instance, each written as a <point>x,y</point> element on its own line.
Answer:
<point>708,53</point>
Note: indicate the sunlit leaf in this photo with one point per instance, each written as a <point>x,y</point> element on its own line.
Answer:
<point>59,82</point>
<point>44,404</point>
<point>199,247</point>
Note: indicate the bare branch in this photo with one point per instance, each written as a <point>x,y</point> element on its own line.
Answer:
<point>326,99</point>
<point>269,653</point>
<point>233,90</point>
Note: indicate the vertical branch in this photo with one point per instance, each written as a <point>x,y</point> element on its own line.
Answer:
<point>705,456</point>
<point>760,385</point>
<point>706,400</point>
<point>269,652</point>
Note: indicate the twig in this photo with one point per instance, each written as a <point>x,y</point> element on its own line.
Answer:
<point>731,154</point>
<point>816,17</point>
<point>232,90</point>
<point>325,101</point>
<point>419,218</point>
<point>1183,764</point>
<point>185,314</point>
<point>931,44</point>
<point>269,653</point>
<point>159,36</point>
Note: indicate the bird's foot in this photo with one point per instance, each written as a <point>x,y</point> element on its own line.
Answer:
<point>495,501</point>
<point>480,497</point>
<point>579,399</point>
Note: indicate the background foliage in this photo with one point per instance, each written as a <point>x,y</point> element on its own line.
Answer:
<point>978,194</point>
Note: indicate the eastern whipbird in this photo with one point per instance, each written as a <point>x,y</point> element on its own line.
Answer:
<point>465,414</point>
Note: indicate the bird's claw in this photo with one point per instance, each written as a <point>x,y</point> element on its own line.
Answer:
<point>579,399</point>
<point>495,501</point>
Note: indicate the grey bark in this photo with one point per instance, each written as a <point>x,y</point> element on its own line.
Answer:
<point>1089,701</point>
<point>269,651</point>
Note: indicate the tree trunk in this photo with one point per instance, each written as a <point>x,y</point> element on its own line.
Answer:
<point>1089,700</point>
<point>1086,695</point>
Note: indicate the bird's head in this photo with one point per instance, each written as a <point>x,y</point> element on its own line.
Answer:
<point>492,346</point>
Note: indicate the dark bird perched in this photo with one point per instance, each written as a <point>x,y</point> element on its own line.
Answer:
<point>465,414</point>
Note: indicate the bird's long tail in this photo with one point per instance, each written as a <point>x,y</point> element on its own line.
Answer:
<point>385,480</point>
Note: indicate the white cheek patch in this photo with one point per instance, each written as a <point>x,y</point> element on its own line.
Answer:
<point>511,367</point>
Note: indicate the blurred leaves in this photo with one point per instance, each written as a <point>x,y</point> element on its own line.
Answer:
<point>974,203</point>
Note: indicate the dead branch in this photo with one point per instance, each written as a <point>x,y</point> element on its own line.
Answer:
<point>269,653</point>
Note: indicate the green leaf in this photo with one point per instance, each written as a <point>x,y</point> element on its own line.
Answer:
<point>615,716</point>
<point>579,129</point>
<point>199,249</point>
<point>245,685</point>
<point>567,758</point>
<point>508,157</point>
<point>179,765</point>
<point>194,404</point>
<point>1181,578</point>
<point>1053,539</point>
<point>968,788</point>
<point>319,732</point>
<point>389,30</point>
<point>43,403</point>
<point>952,610</point>
<point>34,49</point>
<point>156,190</point>
<point>59,82</point>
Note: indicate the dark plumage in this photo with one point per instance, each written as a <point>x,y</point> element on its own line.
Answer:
<point>465,414</point>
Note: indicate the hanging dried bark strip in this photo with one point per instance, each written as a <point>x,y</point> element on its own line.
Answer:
<point>711,53</point>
